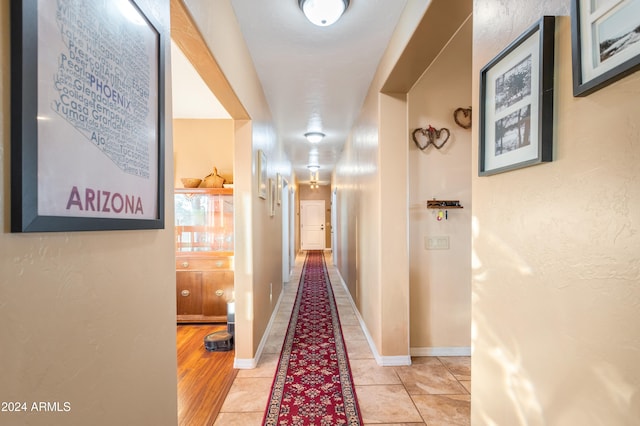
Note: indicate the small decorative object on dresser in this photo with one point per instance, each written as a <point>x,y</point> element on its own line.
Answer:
<point>191,182</point>
<point>213,180</point>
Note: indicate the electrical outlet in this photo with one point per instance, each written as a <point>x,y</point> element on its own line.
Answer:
<point>436,243</point>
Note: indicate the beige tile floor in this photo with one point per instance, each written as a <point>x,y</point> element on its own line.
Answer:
<point>433,391</point>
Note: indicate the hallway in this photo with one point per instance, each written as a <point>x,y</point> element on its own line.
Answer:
<point>433,391</point>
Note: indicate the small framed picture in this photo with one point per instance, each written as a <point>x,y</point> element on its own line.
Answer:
<point>272,198</point>
<point>278,188</point>
<point>605,41</point>
<point>516,102</point>
<point>261,172</point>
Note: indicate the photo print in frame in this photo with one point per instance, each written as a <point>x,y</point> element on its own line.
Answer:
<point>516,102</point>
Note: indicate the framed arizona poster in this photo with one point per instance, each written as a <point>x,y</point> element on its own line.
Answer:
<point>87,116</point>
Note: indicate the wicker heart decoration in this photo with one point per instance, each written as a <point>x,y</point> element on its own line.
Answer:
<point>421,138</point>
<point>462,117</point>
<point>430,136</point>
<point>438,135</point>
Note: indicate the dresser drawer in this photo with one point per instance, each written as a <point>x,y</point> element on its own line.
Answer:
<point>204,263</point>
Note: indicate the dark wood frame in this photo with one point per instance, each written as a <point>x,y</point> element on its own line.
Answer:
<point>545,75</point>
<point>25,216</point>
<point>582,86</point>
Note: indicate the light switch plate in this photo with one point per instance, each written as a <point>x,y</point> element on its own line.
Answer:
<point>436,243</point>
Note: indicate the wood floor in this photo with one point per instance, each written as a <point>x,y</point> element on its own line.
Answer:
<point>204,377</point>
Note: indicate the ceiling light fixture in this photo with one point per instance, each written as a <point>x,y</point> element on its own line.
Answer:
<point>314,137</point>
<point>313,168</point>
<point>323,12</point>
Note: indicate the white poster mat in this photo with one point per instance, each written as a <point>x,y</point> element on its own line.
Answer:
<point>97,110</point>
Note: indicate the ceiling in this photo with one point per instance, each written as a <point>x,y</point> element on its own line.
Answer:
<point>314,78</point>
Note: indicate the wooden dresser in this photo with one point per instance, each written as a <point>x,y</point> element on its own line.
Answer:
<point>204,254</point>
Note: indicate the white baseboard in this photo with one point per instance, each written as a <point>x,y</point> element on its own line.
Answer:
<point>442,351</point>
<point>394,361</point>
<point>388,361</point>
<point>245,363</point>
<point>250,363</point>
<point>384,361</point>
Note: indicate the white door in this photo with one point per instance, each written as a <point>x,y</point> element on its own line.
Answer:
<point>312,224</point>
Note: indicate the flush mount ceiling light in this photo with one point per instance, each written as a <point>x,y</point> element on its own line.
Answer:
<point>323,12</point>
<point>314,137</point>
<point>313,168</point>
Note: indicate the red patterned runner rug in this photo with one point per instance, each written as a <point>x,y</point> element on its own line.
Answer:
<point>313,384</point>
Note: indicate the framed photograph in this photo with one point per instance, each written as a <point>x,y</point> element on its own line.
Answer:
<point>261,172</point>
<point>605,41</point>
<point>272,198</point>
<point>87,116</point>
<point>278,188</point>
<point>516,102</point>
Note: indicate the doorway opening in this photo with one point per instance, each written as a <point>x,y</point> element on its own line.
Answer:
<point>208,135</point>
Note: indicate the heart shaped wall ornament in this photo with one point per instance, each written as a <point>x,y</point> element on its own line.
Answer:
<point>438,136</point>
<point>462,117</point>
<point>421,138</point>
<point>430,136</point>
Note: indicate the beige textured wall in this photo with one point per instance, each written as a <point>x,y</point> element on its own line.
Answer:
<point>200,145</point>
<point>393,232</point>
<point>557,252</point>
<point>373,183</point>
<point>359,220</point>
<point>372,213</point>
<point>258,255</point>
<point>441,279</point>
<point>87,317</point>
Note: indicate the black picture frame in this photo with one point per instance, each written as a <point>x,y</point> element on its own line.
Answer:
<point>516,102</point>
<point>602,43</point>
<point>87,117</point>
